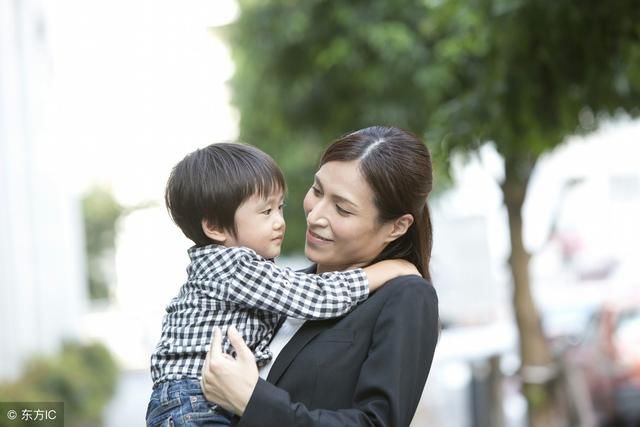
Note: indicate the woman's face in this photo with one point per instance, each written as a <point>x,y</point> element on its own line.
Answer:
<point>342,221</point>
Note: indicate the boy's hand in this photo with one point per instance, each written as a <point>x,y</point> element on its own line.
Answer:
<point>403,267</point>
<point>380,273</point>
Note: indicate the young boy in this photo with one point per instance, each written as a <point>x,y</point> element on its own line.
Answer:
<point>228,198</point>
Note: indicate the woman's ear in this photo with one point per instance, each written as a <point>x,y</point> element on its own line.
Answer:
<point>214,232</point>
<point>400,226</point>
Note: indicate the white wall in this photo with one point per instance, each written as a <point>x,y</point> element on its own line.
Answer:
<point>42,289</point>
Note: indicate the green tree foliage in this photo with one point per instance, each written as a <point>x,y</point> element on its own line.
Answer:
<point>523,74</point>
<point>308,72</point>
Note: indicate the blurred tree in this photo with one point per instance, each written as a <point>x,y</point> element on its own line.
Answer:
<point>82,375</point>
<point>309,73</point>
<point>522,74</point>
<point>101,212</point>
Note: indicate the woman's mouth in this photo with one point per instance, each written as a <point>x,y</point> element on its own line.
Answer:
<point>316,238</point>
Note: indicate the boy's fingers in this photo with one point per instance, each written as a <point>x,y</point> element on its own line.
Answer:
<point>242,350</point>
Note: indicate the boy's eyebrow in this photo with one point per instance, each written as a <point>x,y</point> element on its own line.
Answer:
<point>273,196</point>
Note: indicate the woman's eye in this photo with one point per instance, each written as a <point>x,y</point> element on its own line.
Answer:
<point>316,191</point>
<point>341,211</point>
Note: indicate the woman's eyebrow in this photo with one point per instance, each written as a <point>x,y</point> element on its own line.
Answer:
<point>335,197</point>
<point>341,199</point>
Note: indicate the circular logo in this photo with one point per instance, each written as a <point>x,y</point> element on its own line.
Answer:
<point>12,415</point>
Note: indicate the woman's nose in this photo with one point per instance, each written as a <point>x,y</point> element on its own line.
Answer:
<point>315,215</point>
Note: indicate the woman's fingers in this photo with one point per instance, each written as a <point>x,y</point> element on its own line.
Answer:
<point>242,350</point>
<point>216,355</point>
<point>227,381</point>
<point>215,349</point>
<point>215,343</point>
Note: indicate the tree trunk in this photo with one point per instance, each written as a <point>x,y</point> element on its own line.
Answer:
<point>536,361</point>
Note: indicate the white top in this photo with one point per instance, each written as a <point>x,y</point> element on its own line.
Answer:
<point>280,339</point>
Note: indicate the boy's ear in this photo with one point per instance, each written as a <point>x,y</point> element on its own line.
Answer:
<point>214,232</point>
<point>399,227</point>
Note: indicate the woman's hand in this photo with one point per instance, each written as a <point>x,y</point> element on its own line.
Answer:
<point>226,381</point>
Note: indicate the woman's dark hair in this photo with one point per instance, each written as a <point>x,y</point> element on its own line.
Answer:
<point>397,167</point>
<point>212,182</point>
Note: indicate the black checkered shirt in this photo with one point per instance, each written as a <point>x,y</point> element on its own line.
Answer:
<point>236,286</point>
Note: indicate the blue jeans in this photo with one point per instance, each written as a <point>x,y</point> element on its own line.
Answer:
<point>181,403</point>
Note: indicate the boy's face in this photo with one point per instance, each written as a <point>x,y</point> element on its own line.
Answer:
<point>260,225</point>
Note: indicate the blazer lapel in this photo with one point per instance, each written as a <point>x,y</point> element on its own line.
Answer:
<point>306,333</point>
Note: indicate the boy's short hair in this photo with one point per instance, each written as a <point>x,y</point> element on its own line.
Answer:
<point>212,182</point>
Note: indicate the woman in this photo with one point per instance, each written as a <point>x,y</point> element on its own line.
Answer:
<point>367,203</point>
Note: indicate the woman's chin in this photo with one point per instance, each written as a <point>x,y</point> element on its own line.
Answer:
<point>310,254</point>
<point>315,255</point>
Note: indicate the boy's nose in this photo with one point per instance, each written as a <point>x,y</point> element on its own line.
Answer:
<point>278,223</point>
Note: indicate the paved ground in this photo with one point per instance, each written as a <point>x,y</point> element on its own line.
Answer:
<point>129,405</point>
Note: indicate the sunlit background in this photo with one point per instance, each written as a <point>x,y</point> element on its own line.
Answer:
<point>99,99</point>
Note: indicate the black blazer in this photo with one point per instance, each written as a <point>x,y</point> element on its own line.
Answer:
<point>366,368</point>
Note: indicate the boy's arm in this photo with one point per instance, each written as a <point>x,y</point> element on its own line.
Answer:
<point>381,272</point>
<point>259,283</point>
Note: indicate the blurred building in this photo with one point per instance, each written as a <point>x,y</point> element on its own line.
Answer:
<point>42,285</point>
<point>471,242</point>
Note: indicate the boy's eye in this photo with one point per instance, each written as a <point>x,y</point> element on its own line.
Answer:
<point>267,212</point>
<point>315,190</point>
<point>282,205</point>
